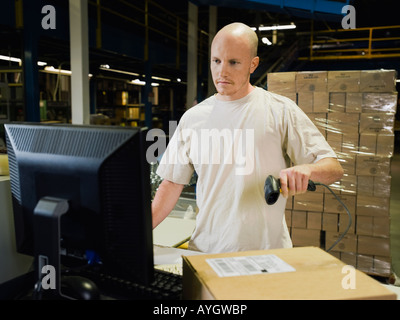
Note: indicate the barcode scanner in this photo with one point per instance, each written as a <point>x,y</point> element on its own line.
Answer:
<point>272,189</point>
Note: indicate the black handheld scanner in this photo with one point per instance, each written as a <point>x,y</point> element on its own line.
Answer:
<point>272,189</point>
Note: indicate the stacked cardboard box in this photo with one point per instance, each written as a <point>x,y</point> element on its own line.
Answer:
<point>355,112</point>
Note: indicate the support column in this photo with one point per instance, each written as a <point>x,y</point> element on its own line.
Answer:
<point>31,18</point>
<point>212,30</point>
<point>79,48</point>
<point>191,94</point>
<point>148,106</point>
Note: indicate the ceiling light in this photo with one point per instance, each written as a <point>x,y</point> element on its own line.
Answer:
<point>266,41</point>
<point>12,59</point>
<point>159,78</point>
<point>138,82</point>
<point>51,69</point>
<point>143,83</point>
<point>18,60</point>
<point>107,68</point>
<point>277,27</point>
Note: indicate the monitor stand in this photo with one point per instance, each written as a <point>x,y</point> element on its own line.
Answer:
<point>47,215</point>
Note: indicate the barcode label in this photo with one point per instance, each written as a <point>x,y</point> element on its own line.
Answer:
<point>239,266</point>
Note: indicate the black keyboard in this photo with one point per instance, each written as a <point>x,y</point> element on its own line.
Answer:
<point>166,286</point>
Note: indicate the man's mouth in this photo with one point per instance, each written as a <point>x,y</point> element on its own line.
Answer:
<point>223,82</point>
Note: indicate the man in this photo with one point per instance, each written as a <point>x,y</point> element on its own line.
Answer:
<point>233,214</point>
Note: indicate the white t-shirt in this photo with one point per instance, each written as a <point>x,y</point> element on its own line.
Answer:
<point>234,146</point>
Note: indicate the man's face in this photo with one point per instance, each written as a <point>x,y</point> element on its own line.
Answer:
<point>231,66</point>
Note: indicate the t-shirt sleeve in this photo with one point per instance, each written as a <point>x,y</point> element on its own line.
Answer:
<point>175,164</point>
<point>305,143</point>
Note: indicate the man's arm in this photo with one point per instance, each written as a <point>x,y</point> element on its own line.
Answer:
<point>165,200</point>
<point>294,180</point>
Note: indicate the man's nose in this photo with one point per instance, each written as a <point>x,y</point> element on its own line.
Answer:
<point>223,68</point>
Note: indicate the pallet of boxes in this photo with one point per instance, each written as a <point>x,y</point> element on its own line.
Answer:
<point>355,111</point>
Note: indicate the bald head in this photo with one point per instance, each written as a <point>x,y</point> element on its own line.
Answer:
<point>240,32</point>
<point>233,60</point>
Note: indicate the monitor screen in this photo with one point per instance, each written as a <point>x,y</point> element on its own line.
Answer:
<point>101,174</point>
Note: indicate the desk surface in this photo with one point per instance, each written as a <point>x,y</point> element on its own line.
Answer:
<point>172,232</point>
<point>12,263</point>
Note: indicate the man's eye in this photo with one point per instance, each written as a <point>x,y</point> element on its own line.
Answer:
<point>233,62</point>
<point>216,61</point>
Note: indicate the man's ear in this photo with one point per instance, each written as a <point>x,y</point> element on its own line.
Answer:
<point>254,64</point>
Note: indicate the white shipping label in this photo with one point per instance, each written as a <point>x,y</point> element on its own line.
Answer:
<point>248,265</point>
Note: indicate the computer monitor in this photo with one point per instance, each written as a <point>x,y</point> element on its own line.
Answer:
<point>82,189</point>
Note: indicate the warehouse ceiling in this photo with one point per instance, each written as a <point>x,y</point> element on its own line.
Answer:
<point>123,20</point>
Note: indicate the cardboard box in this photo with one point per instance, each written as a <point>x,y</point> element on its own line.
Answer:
<point>374,186</point>
<point>347,244</point>
<point>346,185</point>
<point>334,144</point>
<point>317,275</point>
<point>385,145</point>
<point>321,101</point>
<point>373,206</point>
<point>379,102</point>
<point>343,122</point>
<point>311,81</point>
<point>282,82</point>
<point>378,80</point>
<point>349,258</point>
<point>374,265</point>
<point>373,226</point>
<point>305,101</point>
<point>314,220</point>
<point>330,222</point>
<point>291,95</point>
<point>374,246</point>
<point>344,81</point>
<point>364,225</point>
<point>337,101</point>
<point>377,144</point>
<point>365,263</point>
<point>376,122</point>
<point>367,165</point>
<point>309,201</point>
<point>382,266</point>
<point>299,219</point>
<point>344,223</point>
<point>354,102</point>
<point>347,143</point>
<point>305,237</point>
<point>381,227</point>
<point>368,143</point>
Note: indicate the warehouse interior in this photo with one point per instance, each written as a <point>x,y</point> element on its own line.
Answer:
<point>148,62</point>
